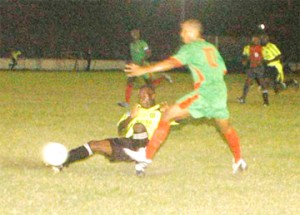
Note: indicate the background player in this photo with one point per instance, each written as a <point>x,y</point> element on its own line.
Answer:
<point>140,53</point>
<point>255,70</point>
<point>208,99</point>
<point>14,59</point>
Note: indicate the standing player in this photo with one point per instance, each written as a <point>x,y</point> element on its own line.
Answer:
<point>140,53</point>
<point>274,68</point>
<point>134,128</point>
<point>208,99</point>
<point>255,71</point>
<point>14,59</point>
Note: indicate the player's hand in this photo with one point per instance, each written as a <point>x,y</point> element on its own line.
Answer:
<point>134,70</point>
<point>164,107</point>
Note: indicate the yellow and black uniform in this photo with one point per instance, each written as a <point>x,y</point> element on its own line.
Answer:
<point>14,59</point>
<point>270,53</point>
<point>149,117</point>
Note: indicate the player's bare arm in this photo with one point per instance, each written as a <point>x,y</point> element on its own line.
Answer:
<point>135,70</point>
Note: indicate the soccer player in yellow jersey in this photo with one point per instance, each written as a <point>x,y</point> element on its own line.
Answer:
<point>272,57</point>
<point>14,59</point>
<point>134,129</point>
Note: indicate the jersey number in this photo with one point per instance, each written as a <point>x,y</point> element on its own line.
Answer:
<point>211,57</point>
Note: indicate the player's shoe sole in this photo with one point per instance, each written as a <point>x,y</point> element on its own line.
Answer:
<point>123,104</point>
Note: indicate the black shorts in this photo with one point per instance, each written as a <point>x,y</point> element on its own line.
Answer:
<point>118,144</point>
<point>256,72</point>
<point>271,72</point>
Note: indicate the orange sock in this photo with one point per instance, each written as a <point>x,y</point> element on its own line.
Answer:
<point>158,138</point>
<point>233,142</point>
<point>128,91</point>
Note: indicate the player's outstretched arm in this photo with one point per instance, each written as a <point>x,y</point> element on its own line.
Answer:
<point>135,70</point>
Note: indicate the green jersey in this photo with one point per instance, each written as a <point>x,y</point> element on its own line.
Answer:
<point>138,51</point>
<point>207,67</point>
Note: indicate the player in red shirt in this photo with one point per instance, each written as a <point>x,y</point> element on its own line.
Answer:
<point>256,70</point>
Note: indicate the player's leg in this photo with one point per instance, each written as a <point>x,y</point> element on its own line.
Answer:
<point>246,88</point>
<point>162,131</point>
<point>280,75</point>
<point>88,149</point>
<point>128,92</point>
<point>264,90</point>
<point>233,142</point>
<point>160,134</point>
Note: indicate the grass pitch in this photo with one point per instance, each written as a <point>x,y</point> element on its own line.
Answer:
<point>191,174</point>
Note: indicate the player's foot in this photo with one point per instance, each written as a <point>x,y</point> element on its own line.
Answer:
<point>139,156</point>
<point>283,85</point>
<point>123,104</point>
<point>266,104</point>
<point>140,168</point>
<point>241,100</point>
<point>241,165</point>
<point>296,84</point>
<point>168,78</point>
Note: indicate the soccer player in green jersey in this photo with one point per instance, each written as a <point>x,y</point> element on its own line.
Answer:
<point>208,99</point>
<point>140,53</point>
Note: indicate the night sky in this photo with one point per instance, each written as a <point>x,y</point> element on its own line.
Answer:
<point>52,28</point>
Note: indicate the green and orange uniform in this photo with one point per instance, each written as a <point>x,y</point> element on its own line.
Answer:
<point>209,97</point>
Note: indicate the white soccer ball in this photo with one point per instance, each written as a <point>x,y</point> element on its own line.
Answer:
<point>55,154</point>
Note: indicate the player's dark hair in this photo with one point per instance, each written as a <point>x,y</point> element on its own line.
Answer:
<point>148,86</point>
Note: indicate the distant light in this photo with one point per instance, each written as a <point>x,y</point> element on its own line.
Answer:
<point>262,26</point>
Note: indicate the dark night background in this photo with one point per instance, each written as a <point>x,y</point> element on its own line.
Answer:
<point>53,28</point>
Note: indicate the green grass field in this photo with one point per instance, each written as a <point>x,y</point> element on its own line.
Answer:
<point>191,174</point>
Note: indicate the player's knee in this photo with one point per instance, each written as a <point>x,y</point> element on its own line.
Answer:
<point>139,128</point>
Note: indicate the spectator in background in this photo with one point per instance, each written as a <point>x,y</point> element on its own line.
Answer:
<point>88,59</point>
<point>14,59</point>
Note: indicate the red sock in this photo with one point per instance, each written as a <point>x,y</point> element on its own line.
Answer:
<point>233,142</point>
<point>158,138</point>
<point>128,91</point>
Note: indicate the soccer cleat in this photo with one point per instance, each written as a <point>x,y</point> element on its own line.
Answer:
<point>140,169</point>
<point>241,165</point>
<point>241,100</point>
<point>168,78</point>
<point>123,104</point>
<point>139,156</point>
